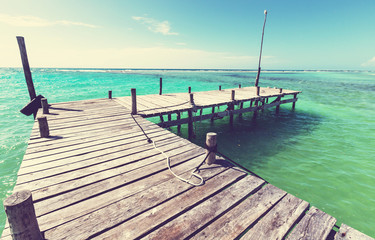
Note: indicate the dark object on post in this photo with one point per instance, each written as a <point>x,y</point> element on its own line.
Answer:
<point>110,94</point>
<point>134,101</point>
<point>20,211</point>
<point>26,67</point>
<point>43,126</point>
<point>33,106</point>
<point>45,106</point>
<point>211,147</point>
<point>161,86</point>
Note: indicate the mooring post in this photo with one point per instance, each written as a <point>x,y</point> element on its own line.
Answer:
<point>26,67</point>
<point>280,90</point>
<point>232,95</point>
<point>258,90</point>
<point>134,101</point>
<point>179,125</point>
<point>45,106</point>
<point>294,103</point>
<point>43,126</point>
<point>192,98</point>
<point>110,94</point>
<point>211,147</point>
<point>190,124</point>
<point>20,211</point>
<point>161,86</point>
<point>189,89</point>
<point>219,87</point>
<point>239,85</point>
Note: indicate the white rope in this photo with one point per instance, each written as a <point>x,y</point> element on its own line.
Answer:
<point>180,178</point>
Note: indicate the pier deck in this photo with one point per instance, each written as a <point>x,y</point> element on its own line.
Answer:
<point>96,177</point>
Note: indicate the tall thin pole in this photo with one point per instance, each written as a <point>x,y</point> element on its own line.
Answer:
<point>261,47</point>
<point>26,67</point>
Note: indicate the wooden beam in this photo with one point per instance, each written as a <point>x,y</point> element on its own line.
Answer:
<point>26,67</point>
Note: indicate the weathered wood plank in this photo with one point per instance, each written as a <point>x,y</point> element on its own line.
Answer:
<point>206,211</point>
<point>316,224</point>
<point>345,233</point>
<point>236,221</point>
<point>276,223</point>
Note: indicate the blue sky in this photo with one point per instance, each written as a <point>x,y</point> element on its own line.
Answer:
<point>190,34</point>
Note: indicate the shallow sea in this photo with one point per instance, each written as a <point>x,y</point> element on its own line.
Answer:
<point>323,152</point>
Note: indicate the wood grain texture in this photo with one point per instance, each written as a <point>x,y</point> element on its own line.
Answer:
<point>347,233</point>
<point>316,224</point>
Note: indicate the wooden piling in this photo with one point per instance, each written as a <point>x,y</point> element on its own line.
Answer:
<point>258,90</point>
<point>239,85</point>
<point>161,86</point>
<point>20,211</point>
<point>192,98</point>
<point>189,89</point>
<point>294,103</point>
<point>256,111</point>
<point>232,95</point>
<point>280,90</point>
<point>211,147</point>
<point>179,125</point>
<point>43,126</point>
<point>169,117</point>
<point>241,107</point>
<point>230,108</point>
<point>219,87</point>
<point>134,101</point>
<point>213,112</point>
<point>45,106</point>
<point>190,124</point>
<point>26,67</point>
<point>110,94</point>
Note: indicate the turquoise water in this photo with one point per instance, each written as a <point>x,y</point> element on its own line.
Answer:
<point>323,152</point>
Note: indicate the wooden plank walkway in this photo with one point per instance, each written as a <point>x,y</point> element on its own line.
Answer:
<point>96,177</point>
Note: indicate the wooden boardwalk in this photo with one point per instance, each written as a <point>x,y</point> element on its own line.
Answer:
<point>96,177</point>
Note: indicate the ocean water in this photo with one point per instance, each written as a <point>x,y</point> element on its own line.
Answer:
<point>323,152</point>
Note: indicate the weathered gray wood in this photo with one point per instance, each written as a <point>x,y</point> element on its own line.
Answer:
<point>26,67</point>
<point>233,95</point>
<point>20,211</point>
<point>211,139</point>
<point>205,212</point>
<point>189,89</point>
<point>134,101</point>
<point>276,223</point>
<point>149,220</point>
<point>161,86</point>
<point>316,224</point>
<point>43,127</point>
<point>345,233</point>
<point>110,94</point>
<point>45,106</point>
<point>190,124</point>
<point>236,221</point>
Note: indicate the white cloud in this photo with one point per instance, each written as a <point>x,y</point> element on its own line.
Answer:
<point>156,26</point>
<point>369,63</point>
<point>32,21</point>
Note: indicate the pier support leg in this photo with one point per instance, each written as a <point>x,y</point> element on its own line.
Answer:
<point>256,111</point>
<point>43,126</point>
<point>169,117</point>
<point>241,107</point>
<point>179,125</point>
<point>161,86</point>
<point>134,101</point>
<point>20,211</point>
<point>110,94</point>
<point>230,108</point>
<point>45,106</point>
<point>213,112</point>
<point>211,147</point>
<point>294,103</point>
<point>190,124</point>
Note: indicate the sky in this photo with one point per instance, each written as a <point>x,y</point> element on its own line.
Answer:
<point>202,34</point>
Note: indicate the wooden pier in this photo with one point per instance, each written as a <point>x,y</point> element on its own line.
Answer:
<point>97,177</point>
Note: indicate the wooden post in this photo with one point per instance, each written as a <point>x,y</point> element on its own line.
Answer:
<point>45,106</point>
<point>20,211</point>
<point>189,89</point>
<point>192,98</point>
<point>230,108</point>
<point>134,101</point>
<point>258,90</point>
<point>280,90</point>
<point>211,147</point>
<point>294,103</point>
<point>232,96</point>
<point>241,107</point>
<point>26,67</point>
<point>278,106</point>
<point>179,125</point>
<point>213,112</point>
<point>239,85</point>
<point>256,111</point>
<point>219,87</point>
<point>161,119</point>
<point>43,126</point>
<point>190,124</point>
<point>161,87</point>
<point>110,94</point>
<point>169,117</point>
